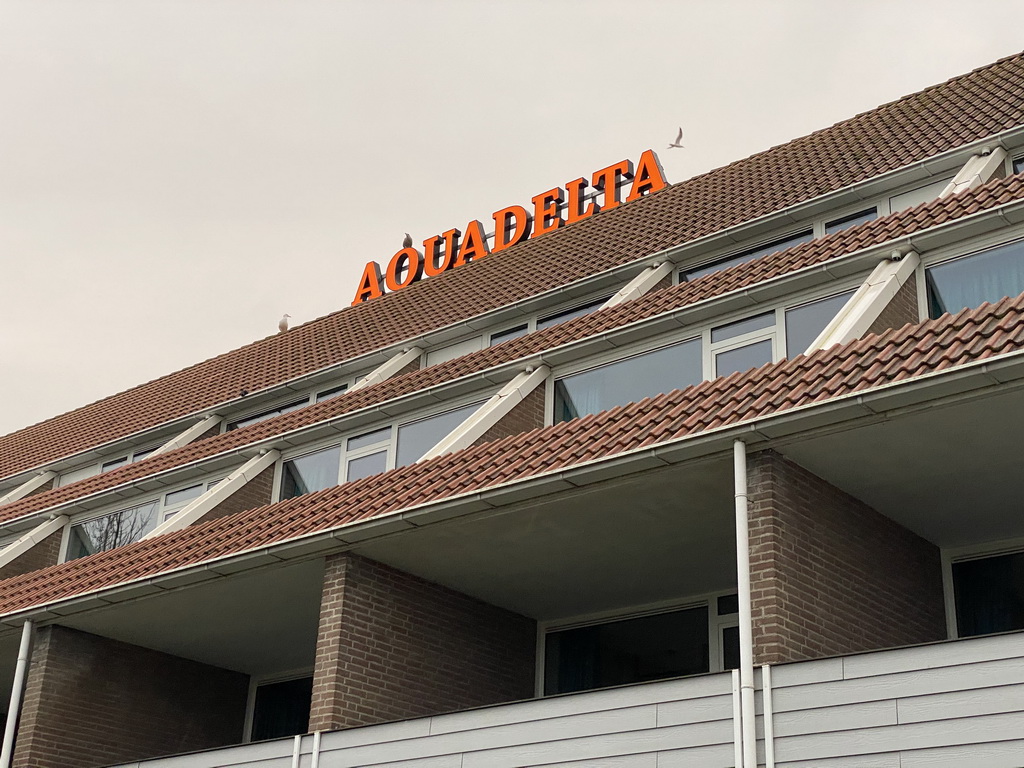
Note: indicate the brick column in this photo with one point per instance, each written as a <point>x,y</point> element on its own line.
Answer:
<point>830,575</point>
<point>392,646</point>
<point>91,701</point>
<point>42,555</point>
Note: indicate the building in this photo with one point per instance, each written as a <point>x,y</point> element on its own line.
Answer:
<point>490,518</point>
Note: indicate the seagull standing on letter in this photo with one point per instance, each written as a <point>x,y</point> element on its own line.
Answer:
<point>676,143</point>
<point>282,324</point>
<point>407,243</point>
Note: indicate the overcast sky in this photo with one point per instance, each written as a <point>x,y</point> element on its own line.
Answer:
<point>174,176</point>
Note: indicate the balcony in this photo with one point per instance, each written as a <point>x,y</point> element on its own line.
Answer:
<point>945,704</point>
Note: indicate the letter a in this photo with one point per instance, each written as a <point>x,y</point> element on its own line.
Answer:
<point>369,284</point>
<point>648,177</point>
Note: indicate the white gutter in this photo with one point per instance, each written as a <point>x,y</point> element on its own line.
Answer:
<point>17,691</point>
<point>739,454</point>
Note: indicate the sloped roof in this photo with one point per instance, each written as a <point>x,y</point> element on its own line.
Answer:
<point>942,117</point>
<point>858,367</point>
<point>817,251</point>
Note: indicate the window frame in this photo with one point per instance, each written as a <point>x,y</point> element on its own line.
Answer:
<point>951,555</point>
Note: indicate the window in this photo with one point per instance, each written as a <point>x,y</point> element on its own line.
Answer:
<point>268,414</point>
<point>917,196</point>
<point>570,314</point>
<point>970,281</point>
<point>327,394</point>
<point>510,333</point>
<point>1018,164</point>
<point>418,437</point>
<point>113,464</point>
<point>748,255</point>
<point>989,594</point>
<point>805,323</point>
<point>743,344</point>
<point>312,472</point>
<point>175,500</point>
<point>114,530</point>
<point>281,709</point>
<point>367,454</point>
<point>629,380</point>
<point>845,222</point>
<point>452,351</point>
<point>632,650</point>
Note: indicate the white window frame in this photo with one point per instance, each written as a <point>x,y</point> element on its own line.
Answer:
<point>951,555</point>
<point>709,601</point>
<point>257,681</point>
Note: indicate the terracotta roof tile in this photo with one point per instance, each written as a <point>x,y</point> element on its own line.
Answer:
<point>855,368</point>
<point>714,284</point>
<point>963,109</point>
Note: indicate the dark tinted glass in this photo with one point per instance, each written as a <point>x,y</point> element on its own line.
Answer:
<point>1018,165</point>
<point>312,472</point>
<point>728,604</point>
<point>970,282</point>
<point>629,380</point>
<point>268,414</point>
<point>282,709</point>
<point>627,651</point>
<point>803,324</point>
<point>852,220</point>
<point>750,255</point>
<point>569,314</point>
<point>989,595</point>
<point>731,647</point>
<point>511,333</point>
<point>114,464</point>
<point>110,531</point>
<point>327,394</point>
<point>743,358</point>
<point>417,438</point>
<point>364,466</point>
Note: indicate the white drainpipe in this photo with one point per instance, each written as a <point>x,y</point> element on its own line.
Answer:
<point>739,451</point>
<point>17,690</point>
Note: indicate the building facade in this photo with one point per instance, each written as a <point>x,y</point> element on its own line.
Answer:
<point>716,473</point>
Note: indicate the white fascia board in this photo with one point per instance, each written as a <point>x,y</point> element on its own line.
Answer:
<point>198,507</point>
<point>388,368</point>
<point>17,548</point>
<point>864,307</point>
<point>640,284</point>
<point>973,379</point>
<point>1008,214</point>
<point>487,415</point>
<point>976,171</point>
<point>27,487</point>
<point>189,434</point>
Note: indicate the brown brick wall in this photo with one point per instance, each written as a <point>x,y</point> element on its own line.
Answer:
<point>256,493</point>
<point>529,414</point>
<point>393,646</point>
<point>43,554</point>
<point>900,311</point>
<point>829,575</point>
<point>91,701</point>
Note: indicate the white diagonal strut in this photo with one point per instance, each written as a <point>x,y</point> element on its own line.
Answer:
<point>190,434</point>
<point>389,368</point>
<point>864,307</point>
<point>488,414</point>
<point>27,487</point>
<point>640,284</point>
<point>198,507</point>
<point>22,545</point>
<point>976,171</point>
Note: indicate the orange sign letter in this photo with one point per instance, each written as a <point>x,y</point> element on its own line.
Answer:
<point>431,266</point>
<point>607,180</point>
<point>576,211</point>
<point>547,212</point>
<point>474,244</point>
<point>649,177</point>
<point>369,284</point>
<point>511,225</point>
<point>407,260</point>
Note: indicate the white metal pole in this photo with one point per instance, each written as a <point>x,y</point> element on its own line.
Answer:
<point>314,761</point>
<point>297,751</point>
<point>6,754</point>
<point>737,719</point>
<point>769,715</point>
<point>743,580</point>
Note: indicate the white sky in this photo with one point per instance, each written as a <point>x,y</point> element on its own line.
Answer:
<point>174,176</point>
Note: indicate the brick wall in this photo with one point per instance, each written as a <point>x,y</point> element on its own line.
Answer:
<point>529,414</point>
<point>43,554</point>
<point>829,575</point>
<point>92,701</point>
<point>393,646</point>
<point>256,493</point>
<point>901,310</point>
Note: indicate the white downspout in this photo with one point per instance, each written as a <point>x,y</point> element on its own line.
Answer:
<point>768,707</point>
<point>737,720</point>
<point>739,452</point>
<point>17,690</point>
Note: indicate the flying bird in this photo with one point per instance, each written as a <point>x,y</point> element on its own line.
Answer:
<point>407,243</point>
<point>282,324</point>
<point>676,143</point>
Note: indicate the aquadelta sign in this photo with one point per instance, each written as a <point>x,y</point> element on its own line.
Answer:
<point>514,224</point>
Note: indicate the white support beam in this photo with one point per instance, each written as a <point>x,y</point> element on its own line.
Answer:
<point>488,414</point>
<point>864,307</point>
<point>22,545</point>
<point>640,284</point>
<point>197,508</point>
<point>389,368</point>
<point>189,434</point>
<point>27,487</point>
<point>976,171</point>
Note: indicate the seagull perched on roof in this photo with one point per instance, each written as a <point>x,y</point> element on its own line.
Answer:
<point>282,324</point>
<point>676,143</point>
<point>407,243</point>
